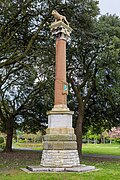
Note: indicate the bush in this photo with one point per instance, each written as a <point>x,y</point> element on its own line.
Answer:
<point>2,146</point>
<point>1,140</point>
<point>38,139</point>
<point>117,141</point>
<point>21,141</point>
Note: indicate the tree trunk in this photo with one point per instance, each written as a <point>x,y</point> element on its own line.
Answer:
<point>81,111</point>
<point>9,125</point>
<point>79,132</point>
<point>101,138</point>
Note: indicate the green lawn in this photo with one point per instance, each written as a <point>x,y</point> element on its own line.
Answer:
<point>109,169</point>
<point>10,164</point>
<point>34,146</point>
<point>109,149</point>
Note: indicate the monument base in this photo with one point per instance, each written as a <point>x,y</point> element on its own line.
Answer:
<point>59,146</point>
<point>60,158</point>
<point>37,169</point>
<point>59,143</point>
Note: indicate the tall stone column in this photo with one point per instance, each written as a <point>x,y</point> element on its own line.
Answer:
<point>59,143</point>
<point>60,80</point>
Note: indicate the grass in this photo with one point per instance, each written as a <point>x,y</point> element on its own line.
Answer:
<point>34,146</point>
<point>109,169</point>
<point>105,174</point>
<point>10,164</point>
<point>107,149</point>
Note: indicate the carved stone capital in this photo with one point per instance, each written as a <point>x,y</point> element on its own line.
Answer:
<point>60,30</point>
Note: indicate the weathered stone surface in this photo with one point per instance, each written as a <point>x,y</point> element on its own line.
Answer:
<point>60,147</point>
<point>60,131</point>
<point>59,137</point>
<point>63,145</point>
<point>81,168</point>
<point>70,145</point>
<point>60,158</point>
<point>60,109</point>
<point>60,120</point>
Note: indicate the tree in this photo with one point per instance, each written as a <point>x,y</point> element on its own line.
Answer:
<point>89,51</point>
<point>93,63</point>
<point>115,133</point>
<point>20,24</point>
<point>103,111</point>
<point>81,59</point>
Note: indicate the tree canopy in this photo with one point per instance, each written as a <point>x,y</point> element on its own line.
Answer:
<point>27,53</point>
<point>23,76</point>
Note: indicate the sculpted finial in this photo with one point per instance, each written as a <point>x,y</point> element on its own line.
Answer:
<point>59,17</point>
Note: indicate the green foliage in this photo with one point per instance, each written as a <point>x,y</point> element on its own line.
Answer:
<point>33,146</point>
<point>22,141</point>
<point>92,137</point>
<point>1,140</point>
<point>33,137</point>
<point>103,105</point>
<point>23,75</point>
<point>2,145</point>
<point>27,54</point>
<point>29,137</point>
<point>117,140</point>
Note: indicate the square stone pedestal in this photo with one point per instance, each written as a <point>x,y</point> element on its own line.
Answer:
<point>59,143</point>
<point>59,146</point>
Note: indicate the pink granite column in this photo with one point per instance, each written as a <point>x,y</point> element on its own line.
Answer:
<point>60,79</point>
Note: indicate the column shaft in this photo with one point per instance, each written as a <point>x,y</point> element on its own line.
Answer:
<point>60,79</point>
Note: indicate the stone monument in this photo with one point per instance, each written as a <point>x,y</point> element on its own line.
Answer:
<point>59,144</point>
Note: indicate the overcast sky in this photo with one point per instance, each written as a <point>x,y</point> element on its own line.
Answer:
<point>109,6</point>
